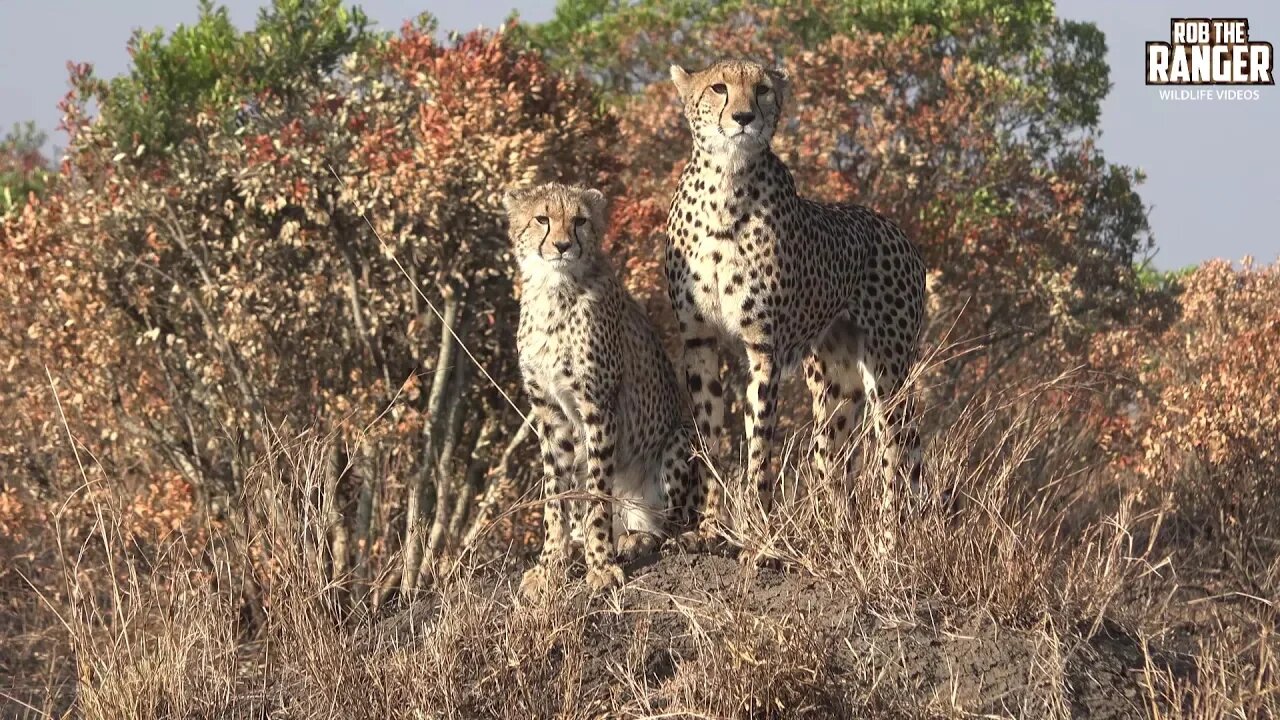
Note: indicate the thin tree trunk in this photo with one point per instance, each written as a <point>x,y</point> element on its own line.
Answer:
<point>415,513</point>
<point>362,530</point>
<point>445,481</point>
<point>338,539</point>
<point>355,271</point>
<point>500,486</point>
<point>476,471</point>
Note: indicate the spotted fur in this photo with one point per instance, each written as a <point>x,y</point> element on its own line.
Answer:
<point>836,287</point>
<point>611,412</point>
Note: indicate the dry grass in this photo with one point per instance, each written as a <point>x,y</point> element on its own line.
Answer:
<point>1051,589</point>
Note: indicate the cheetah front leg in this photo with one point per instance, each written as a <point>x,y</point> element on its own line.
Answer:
<point>556,441</point>
<point>706,391</point>
<point>761,418</point>
<point>600,433</point>
<point>700,359</point>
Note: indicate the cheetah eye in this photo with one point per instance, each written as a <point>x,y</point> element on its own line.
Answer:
<point>579,222</point>
<point>543,220</point>
<point>720,88</point>
<point>762,90</point>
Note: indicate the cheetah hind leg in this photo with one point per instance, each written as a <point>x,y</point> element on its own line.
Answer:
<point>698,521</point>
<point>899,452</point>
<point>684,495</point>
<point>839,405</point>
<point>640,513</point>
<point>680,498</point>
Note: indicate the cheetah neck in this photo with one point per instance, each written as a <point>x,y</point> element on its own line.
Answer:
<point>731,179</point>
<point>586,277</point>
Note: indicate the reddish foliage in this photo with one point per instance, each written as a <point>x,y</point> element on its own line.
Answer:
<point>190,303</point>
<point>923,137</point>
<point>1204,414</point>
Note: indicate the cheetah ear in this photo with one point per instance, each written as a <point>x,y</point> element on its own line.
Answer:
<point>595,200</point>
<point>781,82</point>
<point>512,198</point>
<point>682,79</point>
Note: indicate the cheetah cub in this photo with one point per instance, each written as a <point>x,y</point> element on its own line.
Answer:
<point>788,280</point>
<point>609,410</point>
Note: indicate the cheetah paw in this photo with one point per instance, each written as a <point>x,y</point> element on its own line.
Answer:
<point>636,545</point>
<point>754,561</point>
<point>704,538</point>
<point>537,582</point>
<point>673,545</point>
<point>886,543</point>
<point>604,578</point>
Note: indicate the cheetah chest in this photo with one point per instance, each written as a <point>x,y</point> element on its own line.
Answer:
<point>729,270</point>
<point>549,353</point>
<point>548,364</point>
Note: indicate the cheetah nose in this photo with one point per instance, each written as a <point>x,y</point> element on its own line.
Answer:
<point>563,246</point>
<point>744,118</point>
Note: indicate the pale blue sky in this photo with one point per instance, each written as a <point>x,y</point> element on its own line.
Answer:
<point>1213,167</point>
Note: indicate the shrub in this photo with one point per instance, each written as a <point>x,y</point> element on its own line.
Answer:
<point>1208,405</point>
<point>193,306</point>
<point>23,167</point>
<point>957,129</point>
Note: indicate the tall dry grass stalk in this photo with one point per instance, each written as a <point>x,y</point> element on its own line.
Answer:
<point>1033,591</point>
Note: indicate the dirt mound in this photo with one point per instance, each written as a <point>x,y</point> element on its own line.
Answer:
<point>778,644</point>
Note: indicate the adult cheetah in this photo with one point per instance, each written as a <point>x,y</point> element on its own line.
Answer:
<point>835,286</point>
<point>611,413</point>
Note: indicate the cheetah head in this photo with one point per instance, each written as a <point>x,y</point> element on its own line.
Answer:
<point>554,226</point>
<point>732,107</point>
